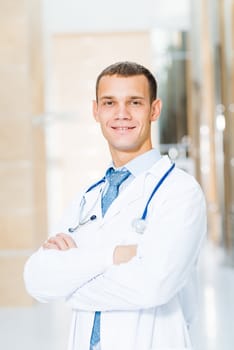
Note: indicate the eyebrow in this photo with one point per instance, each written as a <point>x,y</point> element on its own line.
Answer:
<point>137,98</point>
<point>106,97</point>
<point>113,97</point>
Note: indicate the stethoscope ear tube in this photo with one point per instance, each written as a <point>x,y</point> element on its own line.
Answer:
<point>73,229</point>
<point>92,217</point>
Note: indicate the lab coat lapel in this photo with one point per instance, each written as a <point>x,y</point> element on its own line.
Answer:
<point>93,201</point>
<point>142,183</point>
<point>126,197</point>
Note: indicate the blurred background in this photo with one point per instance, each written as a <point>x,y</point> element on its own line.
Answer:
<point>50,54</point>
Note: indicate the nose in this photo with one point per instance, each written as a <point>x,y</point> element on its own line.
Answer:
<point>122,112</point>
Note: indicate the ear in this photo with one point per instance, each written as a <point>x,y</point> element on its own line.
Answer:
<point>95,110</point>
<point>156,108</point>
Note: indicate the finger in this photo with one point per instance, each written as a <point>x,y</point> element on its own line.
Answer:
<point>48,245</point>
<point>59,242</point>
<point>68,240</point>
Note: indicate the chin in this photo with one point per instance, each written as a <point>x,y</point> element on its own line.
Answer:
<point>125,148</point>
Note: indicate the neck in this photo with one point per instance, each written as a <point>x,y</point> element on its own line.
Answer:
<point>120,158</point>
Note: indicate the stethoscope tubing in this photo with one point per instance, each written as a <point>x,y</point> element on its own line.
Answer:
<point>144,214</point>
<point>145,211</point>
<point>96,184</point>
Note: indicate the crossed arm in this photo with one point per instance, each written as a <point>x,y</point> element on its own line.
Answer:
<point>99,274</point>
<point>62,241</point>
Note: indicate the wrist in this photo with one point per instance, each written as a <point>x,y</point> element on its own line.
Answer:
<point>124,253</point>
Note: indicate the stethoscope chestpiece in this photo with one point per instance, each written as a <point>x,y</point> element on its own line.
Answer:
<point>139,225</point>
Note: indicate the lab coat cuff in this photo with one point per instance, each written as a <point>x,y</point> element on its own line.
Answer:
<point>139,253</point>
<point>110,255</point>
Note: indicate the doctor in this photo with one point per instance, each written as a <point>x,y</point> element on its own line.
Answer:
<point>127,265</point>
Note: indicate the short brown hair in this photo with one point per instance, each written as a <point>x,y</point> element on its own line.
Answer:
<point>127,69</point>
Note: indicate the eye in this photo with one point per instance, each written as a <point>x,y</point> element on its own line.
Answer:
<point>136,102</point>
<point>108,103</point>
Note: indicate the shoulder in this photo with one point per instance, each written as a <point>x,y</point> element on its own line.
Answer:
<point>184,180</point>
<point>176,176</point>
<point>178,183</point>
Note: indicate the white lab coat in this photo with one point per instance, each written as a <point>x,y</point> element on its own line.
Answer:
<point>148,302</point>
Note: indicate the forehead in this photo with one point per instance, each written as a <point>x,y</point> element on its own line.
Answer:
<point>119,86</point>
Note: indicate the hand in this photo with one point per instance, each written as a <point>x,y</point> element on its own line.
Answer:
<point>124,253</point>
<point>61,241</point>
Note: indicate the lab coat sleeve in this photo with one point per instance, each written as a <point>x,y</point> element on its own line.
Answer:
<point>165,262</point>
<point>52,274</point>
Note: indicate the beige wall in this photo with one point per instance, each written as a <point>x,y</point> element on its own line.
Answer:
<point>22,156</point>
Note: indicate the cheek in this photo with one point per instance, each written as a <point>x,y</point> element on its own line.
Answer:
<point>104,127</point>
<point>145,124</point>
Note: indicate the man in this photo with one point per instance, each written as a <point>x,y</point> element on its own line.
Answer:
<point>128,269</point>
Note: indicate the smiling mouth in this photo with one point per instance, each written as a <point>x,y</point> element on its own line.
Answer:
<point>123,128</point>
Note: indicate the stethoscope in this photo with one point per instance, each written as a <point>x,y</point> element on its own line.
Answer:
<point>139,224</point>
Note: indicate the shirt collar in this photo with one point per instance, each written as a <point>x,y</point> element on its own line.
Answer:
<point>143,162</point>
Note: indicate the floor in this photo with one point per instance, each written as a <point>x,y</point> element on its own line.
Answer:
<point>45,327</point>
<point>215,328</point>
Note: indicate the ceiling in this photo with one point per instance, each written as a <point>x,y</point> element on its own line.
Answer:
<point>121,15</point>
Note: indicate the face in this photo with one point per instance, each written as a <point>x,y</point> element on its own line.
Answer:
<point>125,113</point>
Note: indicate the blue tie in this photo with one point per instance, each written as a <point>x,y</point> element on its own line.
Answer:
<point>115,179</point>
